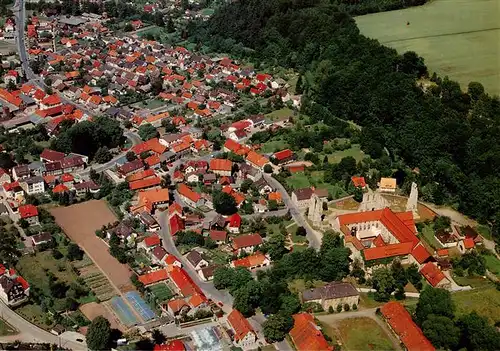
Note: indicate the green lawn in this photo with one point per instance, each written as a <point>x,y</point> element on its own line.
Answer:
<point>298,180</point>
<point>445,33</point>
<point>34,269</point>
<point>428,235</point>
<point>485,231</point>
<point>273,146</point>
<point>280,114</point>
<point>6,329</point>
<point>161,291</point>
<point>354,151</point>
<point>34,314</point>
<point>493,264</point>
<point>476,282</point>
<point>485,302</point>
<point>363,334</point>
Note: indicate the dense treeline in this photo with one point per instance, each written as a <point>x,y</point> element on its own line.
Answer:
<point>361,7</point>
<point>448,135</point>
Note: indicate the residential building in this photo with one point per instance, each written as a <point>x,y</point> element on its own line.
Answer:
<point>29,213</point>
<point>218,236</point>
<point>158,254</point>
<point>435,276</point>
<point>221,167</point>
<point>41,238</point>
<point>131,167</point>
<point>387,185</point>
<point>302,197</point>
<point>284,156</point>
<point>359,182</point>
<point>333,294</point>
<point>257,260</point>
<point>234,223</point>
<point>244,335</point>
<point>21,171</point>
<point>33,185</point>
<point>196,260</point>
<point>149,243</point>
<point>14,289</point>
<point>207,273</point>
<point>306,335</point>
<point>153,277</point>
<point>86,187</point>
<point>190,197</point>
<point>400,321</point>
<point>246,243</point>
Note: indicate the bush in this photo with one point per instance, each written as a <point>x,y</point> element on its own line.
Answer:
<point>339,308</point>
<point>330,309</point>
<point>347,307</point>
<point>57,254</point>
<point>355,307</point>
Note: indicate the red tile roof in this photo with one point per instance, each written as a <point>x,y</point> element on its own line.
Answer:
<point>375,253</point>
<point>469,243</point>
<point>27,211</point>
<point>234,221</point>
<point>283,154</point>
<point>433,274</point>
<point>152,240</point>
<point>305,334</point>
<point>154,277</point>
<point>52,155</point>
<point>218,235</point>
<point>172,345</point>
<point>140,175</point>
<point>358,181</point>
<point>153,145</point>
<point>251,261</point>
<point>443,252</point>
<point>53,99</point>
<point>175,207</point>
<point>379,241</point>
<point>420,253</point>
<point>176,224</point>
<point>184,282</point>
<point>239,324</point>
<point>145,183</point>
<point>60,188</point>
<point>218,164</point>
<point>256,159</point>
<point>246,241</point>
<point>187,192</point>
<point>177,305</point>
<point>397,224</point>
<point>401,322</point>
<point>232,145</point>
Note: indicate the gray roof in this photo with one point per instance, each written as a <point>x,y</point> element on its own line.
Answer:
<point>3,209</point>
<point>194,257</point>
<point>333,290</point>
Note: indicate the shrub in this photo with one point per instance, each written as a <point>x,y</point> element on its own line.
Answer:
<point>347,307</point>
<point>339,308</point>
<point>355,307</point>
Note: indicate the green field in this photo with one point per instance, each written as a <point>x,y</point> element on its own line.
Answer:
<point>162,292</point>
<point>458,38</point>
<point>363,334</point>
<point>302,180</point>
<point>354,151</point>
<point>485,301</point>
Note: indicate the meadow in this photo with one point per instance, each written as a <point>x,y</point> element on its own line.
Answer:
<point>457,38</point>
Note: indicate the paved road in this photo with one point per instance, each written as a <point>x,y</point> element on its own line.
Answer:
<point>313,236</point>
<point>207,287</point>
<point>369,313</point>
<point>32,333</point>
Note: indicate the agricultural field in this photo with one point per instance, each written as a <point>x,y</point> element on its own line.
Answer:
<point>457,38</point>
<point>485,301</point>
<point>97,282</point>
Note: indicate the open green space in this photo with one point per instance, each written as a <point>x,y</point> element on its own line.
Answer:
<point>363,334</point>
<point>273,146</point>
<point>6,329</point>
<point>303,180</point>
<point>427,234</point>
<point>34,269</point>
<point>485,231</point>
<point>353,151</point>
<point>283,113</point>
<point>492,264</point>
<point>458,38</point>
<point>161,292</point>
<point>485,301</point>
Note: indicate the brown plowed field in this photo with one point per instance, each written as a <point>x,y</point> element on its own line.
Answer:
<point>80,222</point>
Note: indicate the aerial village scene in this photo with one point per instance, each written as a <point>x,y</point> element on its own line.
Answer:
<point>154,197</point>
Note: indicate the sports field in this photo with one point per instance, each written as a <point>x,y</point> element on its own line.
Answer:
<point>458,38</point>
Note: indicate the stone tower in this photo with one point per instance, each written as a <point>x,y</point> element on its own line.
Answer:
<point>412,203</point>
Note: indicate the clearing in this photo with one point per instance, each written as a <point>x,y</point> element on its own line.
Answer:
<point>485,301</point>
<point>445,33</point>
<point>357,334</point>
<point>80,222</point>
<point>93,310</point>
<point>6,329</point>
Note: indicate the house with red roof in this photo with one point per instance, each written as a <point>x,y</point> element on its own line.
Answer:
<point>176,224</point>
<point>171,345</point>
<point>234,223</point>
<point>358,182</point>
<point>257,260</point>
<point>306,335</point>
<point>221,167</point>
<point>14,289</point>
<point>189,196</point>
<point>466,245</point>
<point>50,101</point>
<point>154,277</point>
<point>435,276</point>
<point>283,156</point>
<point>244,335</point>
<point>256,160</point>
<point>149,243</point>
<point>401,323</point>
<point>246,243</point>
<point>29,213</point>
<point>184,283</point>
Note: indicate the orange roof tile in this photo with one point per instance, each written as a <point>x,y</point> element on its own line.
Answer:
<point>145,183</point>
<point>305,334</point>
<point>420,253</point>
<point>239,324</point>
<point>218,164</point>
<point>276,196</point>
<point>153,277</point>
<point>401,322</point>
<point>433,274</point>
<point>140,175</point>
<point>251,261</point>
<point>152,160</point>
<point>187,192</point>
<point>392,250</point>
<point>256,159</point>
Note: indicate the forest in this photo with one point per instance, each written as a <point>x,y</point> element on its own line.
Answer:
<point>438,135</point>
